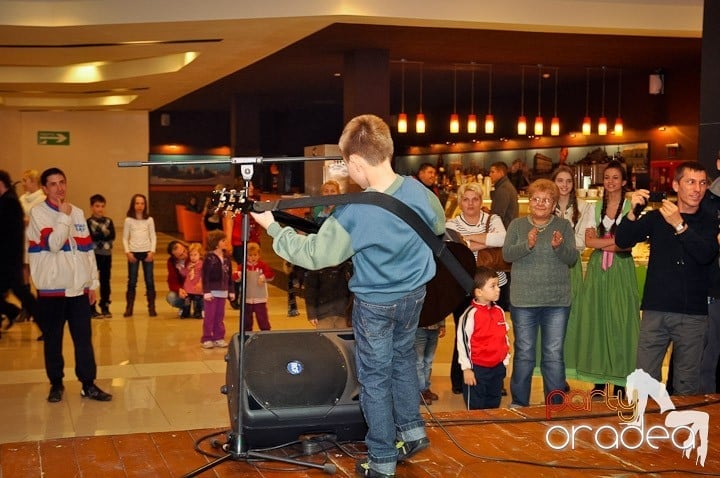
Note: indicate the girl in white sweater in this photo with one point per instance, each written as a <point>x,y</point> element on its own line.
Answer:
<point>139,241</point>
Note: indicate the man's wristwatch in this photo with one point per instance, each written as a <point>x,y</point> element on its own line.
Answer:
<point>680,227</point>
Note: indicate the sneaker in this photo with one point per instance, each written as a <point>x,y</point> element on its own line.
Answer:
<point>208,344</point>
<point>362,468</point>
<point>220,343</point>
<point>406,449</point>
<point>56,392</point>
<point>94,314</point>
<point>432,394</point>
<point>293,313</point>
<point>94,393</point>
<point>105,313</point>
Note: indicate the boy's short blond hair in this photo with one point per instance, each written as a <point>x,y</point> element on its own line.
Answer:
<point>253,247</point>
<point>367,136</point>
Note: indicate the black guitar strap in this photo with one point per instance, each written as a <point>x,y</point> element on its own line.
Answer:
<point>391,204</point>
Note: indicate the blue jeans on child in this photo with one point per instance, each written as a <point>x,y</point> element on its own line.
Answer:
<point>552,322</point>
<point>426,341</point>
<point>385,360</point>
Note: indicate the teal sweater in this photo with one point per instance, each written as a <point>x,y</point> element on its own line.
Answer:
<point>541,275</point>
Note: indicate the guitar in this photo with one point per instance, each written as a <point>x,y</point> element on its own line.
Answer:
<point>444,292</point>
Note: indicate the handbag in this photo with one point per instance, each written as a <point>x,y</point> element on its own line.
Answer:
<point>492,257</point>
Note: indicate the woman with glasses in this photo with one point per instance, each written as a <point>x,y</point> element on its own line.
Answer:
<point>541,248</point>
<point>609,306</point>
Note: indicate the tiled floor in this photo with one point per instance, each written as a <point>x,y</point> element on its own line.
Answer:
<point>160,377</point>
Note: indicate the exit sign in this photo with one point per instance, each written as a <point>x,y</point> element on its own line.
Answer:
<point>53,138</point>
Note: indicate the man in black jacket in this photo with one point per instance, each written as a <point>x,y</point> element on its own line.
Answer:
<point>683,244</point>
<point>12,241</point>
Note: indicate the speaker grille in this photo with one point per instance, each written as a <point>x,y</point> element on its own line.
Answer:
<point>291,370</point>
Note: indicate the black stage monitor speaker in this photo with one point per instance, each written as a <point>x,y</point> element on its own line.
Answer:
<point>295,383</point>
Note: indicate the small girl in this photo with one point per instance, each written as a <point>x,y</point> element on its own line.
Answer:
<point>218,287</point>
<point>257,275</point>
<point>193,283</point>
<point>482,343</point>
<point>139,241</point>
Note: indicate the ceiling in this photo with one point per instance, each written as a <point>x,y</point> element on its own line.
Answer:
<point>201,64</point>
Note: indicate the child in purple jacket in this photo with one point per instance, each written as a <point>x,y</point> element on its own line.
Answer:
<point>217,287</point>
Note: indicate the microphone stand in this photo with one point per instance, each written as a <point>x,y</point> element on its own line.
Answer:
<point>235,446</point>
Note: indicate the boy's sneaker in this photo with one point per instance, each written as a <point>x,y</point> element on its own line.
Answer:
<point>293,312</point>
<point>105,313</point>
<point>94,393</point>
<point>94,314</point>
<point>220,343</point>
<point>406,449</point>
<point>362,467</point>
<point>208,344</point>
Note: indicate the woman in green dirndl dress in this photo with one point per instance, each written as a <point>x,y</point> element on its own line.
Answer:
<point>608,320</point>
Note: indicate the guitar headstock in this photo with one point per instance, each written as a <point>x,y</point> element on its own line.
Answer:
<point>230,201</point>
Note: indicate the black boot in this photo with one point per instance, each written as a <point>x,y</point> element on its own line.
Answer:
<point>130,299</point>
<point>151,303</point>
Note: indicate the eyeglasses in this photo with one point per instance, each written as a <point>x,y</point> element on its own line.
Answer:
<point>538,201</point>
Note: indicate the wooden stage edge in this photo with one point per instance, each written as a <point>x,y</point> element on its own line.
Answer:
<point>519,442</point>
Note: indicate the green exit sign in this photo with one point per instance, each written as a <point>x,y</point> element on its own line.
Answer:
<point>53,138</point>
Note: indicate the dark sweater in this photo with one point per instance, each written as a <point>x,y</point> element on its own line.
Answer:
<point>679,265</point>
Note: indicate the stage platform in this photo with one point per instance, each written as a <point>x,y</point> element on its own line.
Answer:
<point>503,442</point>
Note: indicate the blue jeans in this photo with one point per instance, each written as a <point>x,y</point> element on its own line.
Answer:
<point>385,360</point>
<point>426,341</point>
<point>174,299</point>
<point>552,322</point>
<point>147,273</point>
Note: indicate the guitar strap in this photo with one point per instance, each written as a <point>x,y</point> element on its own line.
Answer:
<point>391,204</point>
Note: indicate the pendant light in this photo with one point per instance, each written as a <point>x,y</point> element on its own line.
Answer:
<point>472,118</point>
<point>489,118</point>
<point>402,117</point>
<point>539,119</point>
<point>454,119</point>
<point>602,122</point>
<point>555,122</point>
<point>619,121</point>
<point>522,121</point>
<point>586,126</point>
<point>420,118</point>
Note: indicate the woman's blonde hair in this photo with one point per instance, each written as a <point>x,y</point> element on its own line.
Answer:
<point>474,187</point>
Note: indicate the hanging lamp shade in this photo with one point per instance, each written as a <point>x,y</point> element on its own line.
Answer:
<point>420,123</point>
<point>402,116</point>
<point>555,126</point>
<point>555,121</point>
<point>472,124</point>
<point>618,130</point>
<point>522,125</point>
<point>618,126</point>
<point>454,123</point>
<point>522,120</point>
<point>538,128</point>
<point>602,122</point>
<point>420,118</point>
<point>402,124</point>
<point>586,124</point>
<point>602,126</point>
<point>489,124</point>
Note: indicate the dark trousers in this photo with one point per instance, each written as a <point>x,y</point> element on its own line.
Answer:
<point>104,265</point>
<point>487,391</point>
<point>54,313</point>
